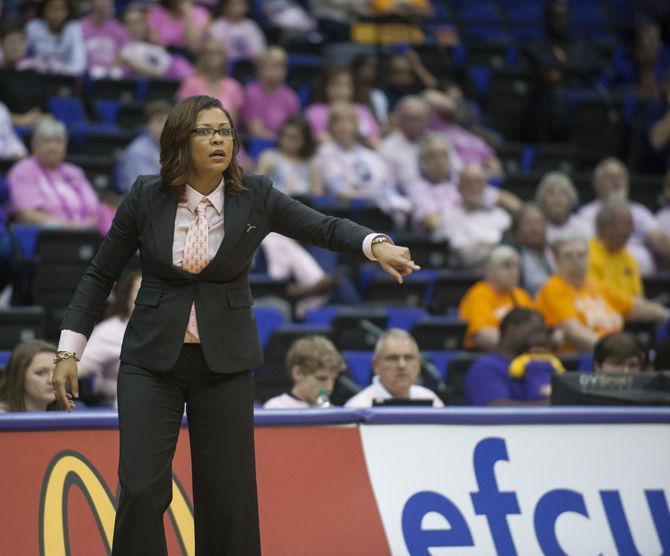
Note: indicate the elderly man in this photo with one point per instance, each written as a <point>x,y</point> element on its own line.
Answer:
<point>396,364</point>
<point>610,177</point>
<point>609,259</point>
<point>472,228</point>
<point>583,308</point>
<point>487,302</point>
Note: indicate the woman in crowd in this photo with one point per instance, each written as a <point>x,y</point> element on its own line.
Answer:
<point>337,86</point>
<point>289,165</point>
<point>364,70</point>
<point>47,191</point>
<point>243,38</point>
<point>179,24</point>
<point>104,37</point>
<point>56,39</point>
<point>26,384</point>
<point>530,239</point>
<point>211,78</point>
<point>557,198</point>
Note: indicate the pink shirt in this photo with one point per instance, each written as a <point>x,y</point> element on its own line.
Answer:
<point>285,401</point>
<point>271,108</point>
<point>63,193</point>
<point>227,90</point>
<point>170,30</point>
<point>244,39</point>
<point>471,148</point>
<point>103,43</point>
<point>317,116</point>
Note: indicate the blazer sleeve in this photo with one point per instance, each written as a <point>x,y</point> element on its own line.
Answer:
<point>295,220</point>
<point>119,245</point>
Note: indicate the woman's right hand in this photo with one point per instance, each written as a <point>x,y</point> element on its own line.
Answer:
<point>65,373</point>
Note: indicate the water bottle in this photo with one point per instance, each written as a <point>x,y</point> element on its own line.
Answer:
<point>322,400</point>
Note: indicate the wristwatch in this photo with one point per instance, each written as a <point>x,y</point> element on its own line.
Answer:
<point>60,355</point>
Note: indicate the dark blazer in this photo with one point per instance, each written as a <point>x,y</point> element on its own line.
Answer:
<point>226,324</point>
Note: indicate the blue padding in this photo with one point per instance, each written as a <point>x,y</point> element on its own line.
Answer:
<point>331,416</point>
<point>25,236</point>
<point>4,357</point>
<point>268,319</point>
<point>322,316</point>
<point>405,317</point>
<point>360,366</point>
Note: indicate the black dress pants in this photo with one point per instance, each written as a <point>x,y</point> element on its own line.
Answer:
<point>221,429</point>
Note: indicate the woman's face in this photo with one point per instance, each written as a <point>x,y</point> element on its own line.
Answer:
<point>340,88</point>
<point>506,274</point>
<point>50,150</point>
<point>38,390</point>
<point>213,56</point>
<point>557,203</point>
<point>15,47</point>
<point>531,228</point>
<point>272,72</point>
<point>572,261</point>
<point>344,129</point>
<point>55,13</point>
<point>291,140</point>
<point>435,163</point>
<point>211,154</point>
<point>102,8</point>
<point>135,22</point>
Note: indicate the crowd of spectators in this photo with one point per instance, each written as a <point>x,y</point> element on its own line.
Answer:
<point>384,128</point>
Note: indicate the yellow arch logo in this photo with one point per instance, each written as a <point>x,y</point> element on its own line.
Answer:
<point>70,468</point>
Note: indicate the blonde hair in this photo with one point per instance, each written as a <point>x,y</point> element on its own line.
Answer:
<point>272,54</point>
<point>313,353</point>
<point>558,178</point>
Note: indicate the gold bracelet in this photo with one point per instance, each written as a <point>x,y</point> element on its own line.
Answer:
<point>60,355</point>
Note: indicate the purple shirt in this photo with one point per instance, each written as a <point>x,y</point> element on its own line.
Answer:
<point>169,29</point>
<point>102,43</point>
<point>488,380</point>
<point>470,148</point>
<point>317,116</point>
<point>62,193</point>
<point>273,109</point>
<point>244,39</point>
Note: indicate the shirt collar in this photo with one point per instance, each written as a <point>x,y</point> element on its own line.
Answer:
<point>192,198</point>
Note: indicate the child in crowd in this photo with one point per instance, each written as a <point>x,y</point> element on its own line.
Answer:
<point>242,36</point>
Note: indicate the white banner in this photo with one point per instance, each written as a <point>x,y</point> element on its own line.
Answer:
<point>522,489</point>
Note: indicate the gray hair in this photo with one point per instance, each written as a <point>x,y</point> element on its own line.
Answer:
<point>610,210</point>
<point>393,333</point>
<point>49,127</point>
<point>499,254</point>
<point>559,178</point>
<point>434,138</point>
<point>557,245</point>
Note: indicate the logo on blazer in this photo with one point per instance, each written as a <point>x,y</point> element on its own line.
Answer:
<point>250,227</point>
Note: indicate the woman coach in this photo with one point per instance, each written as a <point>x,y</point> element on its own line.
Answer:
<point>192,337</point>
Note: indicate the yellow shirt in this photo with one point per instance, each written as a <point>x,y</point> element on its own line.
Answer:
<point>618,271</point>
<point>482,306</point>
<point>595,305</point>
<point>381,6</point>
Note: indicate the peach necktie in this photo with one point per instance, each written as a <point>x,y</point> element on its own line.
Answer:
<point>195,258</point>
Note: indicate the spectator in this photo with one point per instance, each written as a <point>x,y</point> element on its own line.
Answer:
<point>435,192</point>
<point>335,17</point>
<point>557,198</point>
<point>406,75</point>
<point>610,262</point>
<point>179,24</point>
<point>610,177</point>
<point>663,215</point>
<point>11,146</point>
<point>473,228</point>
<point>269,102</point>
<point>396,364</point>
<point>313,363</point>
<point>104,38</point>
<point>365,75</point>
<point>519,371</point>
<point>141,157</point>
<point>412,9</point>
<point>289,165</point>
<point>337,86</point>
<point>487,302</point>
<point>242,36</point>
<point>6,246</point>
<point>583,308</point>
<point>558,63</point>
<point>657,130</point>
<point>291,17</point>
<point>349,170</point>
<point>142,57</point>
<point>56,40</point>
<point>100,360</point>
<point>211,79</point>
<point>400,149</point>
<point>530,237</point>
<point>22,88</point>
<point>26,384</point>
<point>619,353</point>
<point>47,191</point>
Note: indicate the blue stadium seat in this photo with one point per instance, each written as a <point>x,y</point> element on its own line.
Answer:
<point>440,359</point>
<point>257,145</point>
<point>359,364</point>
<point>25,239</point>
<point>107,110</point>
<point>322,316</point>
<point>268,319</point>
<point>4,358</point>
<point>405,317</point>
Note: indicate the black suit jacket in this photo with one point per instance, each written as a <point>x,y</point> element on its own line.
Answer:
<point>226,324</point>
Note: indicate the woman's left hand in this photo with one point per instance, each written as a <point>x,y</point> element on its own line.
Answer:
<point>395,260</point>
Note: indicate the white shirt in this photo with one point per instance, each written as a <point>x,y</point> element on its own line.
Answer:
<point>285,401</point>
<point>376,391</point>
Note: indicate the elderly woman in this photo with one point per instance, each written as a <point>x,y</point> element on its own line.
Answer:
<point>530,238</point>
<point>26,384</point>
<point>487,302</point>
<point>583,308</point>
<point>349,170</point>
<point>557,197</point>
<point>192,338</point>
<point>46,191</point>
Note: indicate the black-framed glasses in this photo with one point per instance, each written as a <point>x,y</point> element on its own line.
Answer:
<point>209,132</point>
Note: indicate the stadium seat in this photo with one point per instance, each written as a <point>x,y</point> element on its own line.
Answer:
<point>19,324</point>
<point>154,89</point>
<point>358,329</point>
<point>449,290</point>
<point>457,369</point>
<point>268,319</point>
<point>359,365</point>
<point>416,290</point>
<point>425,252</point>
<point>405,317</point>
<point>439,333</point>
<point>119,90</point>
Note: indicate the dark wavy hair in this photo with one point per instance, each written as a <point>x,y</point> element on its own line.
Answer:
<point>176,160</point>
<point>308,142</point>
<point>13,385</point>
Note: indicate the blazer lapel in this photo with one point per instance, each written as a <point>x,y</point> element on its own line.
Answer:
<point>163,216</point>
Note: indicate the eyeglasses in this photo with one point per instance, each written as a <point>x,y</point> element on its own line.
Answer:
<point>209,132</point>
